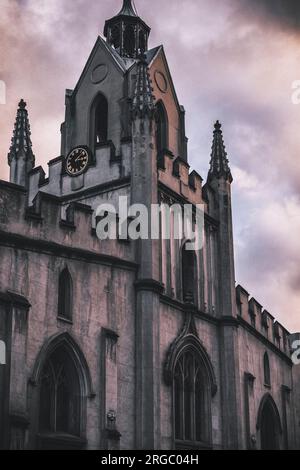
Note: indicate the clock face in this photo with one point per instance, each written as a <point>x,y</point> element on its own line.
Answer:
<point>77,161</point>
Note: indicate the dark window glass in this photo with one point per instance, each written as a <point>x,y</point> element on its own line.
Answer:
<point>59,395</point>
<point>101,120</point>
<point>46,404</point>
<point>189,269</point>
<point>63,400</point>
<point>199,400</point>
<point>267,372</point>
<point>129,41</point>
<point>142,42</point>
<point>161,129</point>
<point>269,428</point>
<point>178,386</point>
<point>190,409</point>
<point>188,393</point>
<point>116,38</point>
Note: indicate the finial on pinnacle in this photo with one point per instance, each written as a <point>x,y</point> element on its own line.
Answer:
<point>219,164</point>
<point>218,126</point>
<point>20,151</point>
<point>128,8</point>
<point>22,104</point>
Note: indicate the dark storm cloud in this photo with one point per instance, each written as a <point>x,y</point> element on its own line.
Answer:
<point>284,12</point>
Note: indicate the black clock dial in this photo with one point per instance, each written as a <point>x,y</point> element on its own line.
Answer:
<point>77,161</point>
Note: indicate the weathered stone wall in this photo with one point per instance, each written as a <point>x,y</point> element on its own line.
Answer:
<point>172,320</point>
<point>251,353</point>
<point>103,298</point>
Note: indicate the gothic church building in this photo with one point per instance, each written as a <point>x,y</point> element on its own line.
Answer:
<point>122,344</point>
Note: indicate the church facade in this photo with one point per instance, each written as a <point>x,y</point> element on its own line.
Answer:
<point>130,344</point>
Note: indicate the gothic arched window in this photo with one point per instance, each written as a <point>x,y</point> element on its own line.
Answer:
<point>60,395</point>
<point>129,41</point>
<point>161,129</point>
<point>267,371</point>
<point>269,424</point>
<point>101,120</point>
<point>116,38</point>
<point>98,127</point>
<point>191,401</point>
<point>65,295</point>
<point>142,42</point>
<point>189,273</point>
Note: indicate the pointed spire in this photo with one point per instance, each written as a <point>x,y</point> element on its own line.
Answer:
<point>219,164</point>
<point>128,9</point>
<point>143,100</point>
<point>21,144</point>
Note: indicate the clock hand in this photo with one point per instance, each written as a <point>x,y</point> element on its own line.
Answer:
<point>80,156</point>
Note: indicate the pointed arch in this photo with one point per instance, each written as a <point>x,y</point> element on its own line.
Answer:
<point>65,295</point>
<point>61,384</point>
<point>142,42</point>
<point>269,423</point>
<point>190,372</point>
<point>116,37</point>
<point>99,121</point>
<point>66,341</point>
<point>129,41</point>
<point>267,370</point>
<point>182,344</point>
<point>162,129</point>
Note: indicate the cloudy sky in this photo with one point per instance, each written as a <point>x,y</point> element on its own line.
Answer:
<point>233,60</point>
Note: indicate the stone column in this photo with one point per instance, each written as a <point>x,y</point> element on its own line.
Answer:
<point>18,413</point>
<point>109,377</point>
<point>248,393</point>
<point>227,312</point>
<point>148,289</point>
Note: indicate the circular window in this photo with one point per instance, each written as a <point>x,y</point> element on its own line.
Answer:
<point>161,81</point>
<point>99,73</point>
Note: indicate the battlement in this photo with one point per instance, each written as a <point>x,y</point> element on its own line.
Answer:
<point>105,167</point>
<point>250,310</point>
<point>175,174</point>
<point>41,223</point>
